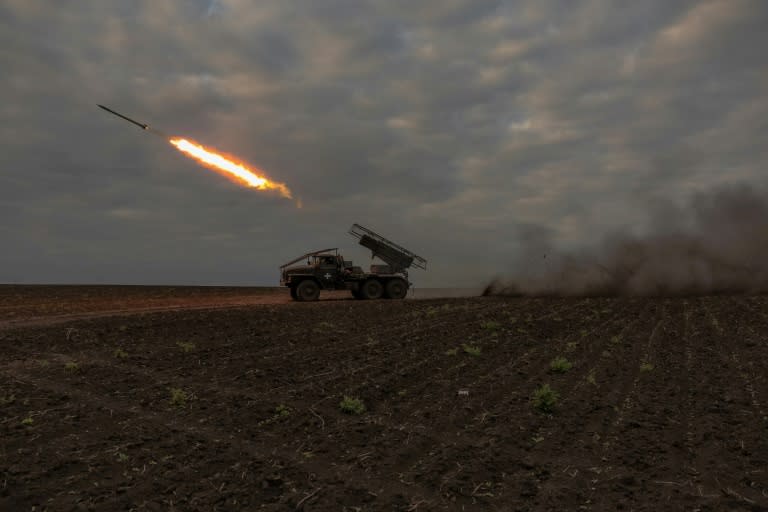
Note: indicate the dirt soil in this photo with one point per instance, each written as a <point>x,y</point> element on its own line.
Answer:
<point>230,400</point>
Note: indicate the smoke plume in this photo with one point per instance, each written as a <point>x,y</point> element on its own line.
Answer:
<point>716,243</point>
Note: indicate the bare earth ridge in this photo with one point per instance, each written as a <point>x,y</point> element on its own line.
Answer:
<point>181,398</point>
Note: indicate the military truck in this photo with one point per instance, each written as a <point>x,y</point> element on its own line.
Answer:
<point>326,269</point>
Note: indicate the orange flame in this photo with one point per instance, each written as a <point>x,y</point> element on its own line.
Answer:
<point>235,171</point>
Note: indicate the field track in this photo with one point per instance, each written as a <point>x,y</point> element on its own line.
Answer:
<point>228,399</point>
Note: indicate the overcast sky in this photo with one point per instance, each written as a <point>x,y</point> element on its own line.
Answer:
<point>450,126</point>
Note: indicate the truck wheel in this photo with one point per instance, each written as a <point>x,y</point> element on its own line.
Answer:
<point>372,289</point>
<point>293,293</point>
<point>308,290</point>
<point>396,289</point>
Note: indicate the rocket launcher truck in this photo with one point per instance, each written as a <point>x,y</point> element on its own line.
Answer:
<point>328,270</point>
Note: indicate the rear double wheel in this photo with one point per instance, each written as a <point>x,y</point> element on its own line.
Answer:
<point>371,289</point>
<point>307,291</point>
<point>396,289</point>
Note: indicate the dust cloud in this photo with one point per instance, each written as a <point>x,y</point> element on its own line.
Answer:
<point>716,243</point>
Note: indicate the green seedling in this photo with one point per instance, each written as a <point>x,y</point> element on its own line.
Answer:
<point>351,405</point>
<point>472,350</point>
<point>179,397</point>
<point>72,367</point>
<point>591,377</point>
<point>560,365</point>
<point>282,411</point>
<point>120,353</point>
<point>646,367</point>
<point>452,351</point>
<point>27,421</point>
<point>545,398</point>
<point>186,346</point>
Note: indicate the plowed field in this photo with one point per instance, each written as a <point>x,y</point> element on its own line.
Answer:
<point>664,407</point>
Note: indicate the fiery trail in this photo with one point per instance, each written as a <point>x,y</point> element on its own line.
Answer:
<point>235,171</point>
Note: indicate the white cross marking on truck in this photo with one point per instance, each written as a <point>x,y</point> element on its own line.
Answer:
<point>327,275</point>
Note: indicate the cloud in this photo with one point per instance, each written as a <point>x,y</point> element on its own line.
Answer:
<point>444,124</point>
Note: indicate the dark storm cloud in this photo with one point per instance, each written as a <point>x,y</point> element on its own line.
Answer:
<point>447,125</point>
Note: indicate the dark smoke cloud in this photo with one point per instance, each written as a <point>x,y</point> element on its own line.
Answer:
<point>716,243</point>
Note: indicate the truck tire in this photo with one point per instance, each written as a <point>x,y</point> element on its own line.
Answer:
<point>372,289</point>
<point>307,291</point>
<point>396,289</point>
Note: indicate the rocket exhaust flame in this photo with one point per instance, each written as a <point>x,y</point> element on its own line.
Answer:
<point>225,166</point>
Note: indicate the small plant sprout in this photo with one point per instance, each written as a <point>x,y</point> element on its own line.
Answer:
<point>560,365</point>
<point>120,353</point>
<point>27,421</point>
<point>545,398</point>
<point>186,346</point>
<point>646,367</point>
<point>451,351</point>
<point>121,457</point>
<point>571,346</point>
<point>591,377</point>
<point>490,325</point>
<point>351,405</point>
<point>179,397</point>
<point>472,350</point>
<point>72,367</point>
<point>282,410</point>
